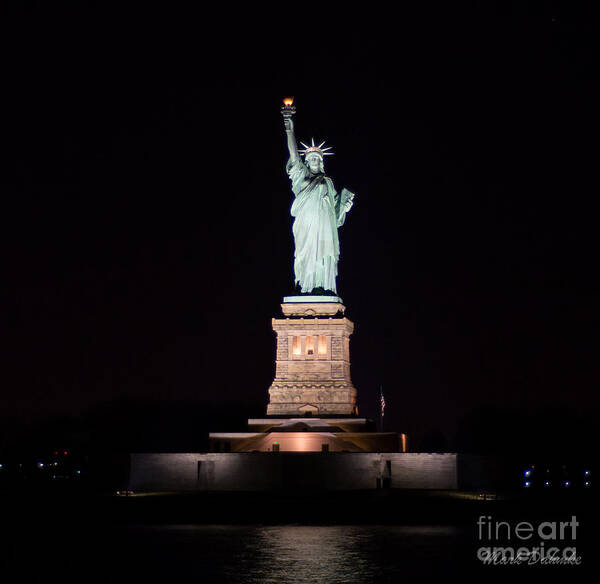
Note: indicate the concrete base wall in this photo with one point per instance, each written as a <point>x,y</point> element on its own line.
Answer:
<point>272,471</point>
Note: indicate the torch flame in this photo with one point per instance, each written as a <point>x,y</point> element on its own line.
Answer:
<point>288,101</point>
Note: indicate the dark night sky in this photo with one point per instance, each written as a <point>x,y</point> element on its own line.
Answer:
<point>146,230</point>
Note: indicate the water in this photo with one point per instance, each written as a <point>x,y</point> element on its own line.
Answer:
<point>160,539</point>
<point>253,554</point>
<point>249,554</point>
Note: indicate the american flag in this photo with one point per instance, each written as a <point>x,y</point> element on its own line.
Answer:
<point>382,400</point>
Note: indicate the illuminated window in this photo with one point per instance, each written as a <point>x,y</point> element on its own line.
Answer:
<point>322,345</point>
<point>296,346</point>
<point>310,345</point>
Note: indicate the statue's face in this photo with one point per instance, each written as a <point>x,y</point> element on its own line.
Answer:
<point>314,164</point>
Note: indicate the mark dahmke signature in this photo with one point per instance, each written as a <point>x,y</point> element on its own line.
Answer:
<point>550,533</point>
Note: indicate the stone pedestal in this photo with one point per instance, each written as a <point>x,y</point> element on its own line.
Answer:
<point>312,374</point>
<point>312,402</point>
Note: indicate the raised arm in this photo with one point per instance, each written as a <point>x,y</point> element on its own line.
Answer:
<point>291,139</point>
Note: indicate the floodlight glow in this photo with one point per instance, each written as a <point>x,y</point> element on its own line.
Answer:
<point>547,483</point>
<point>527,473</point>
<point>527,484</point>
<point>567,483</point>
<point>587,483</point>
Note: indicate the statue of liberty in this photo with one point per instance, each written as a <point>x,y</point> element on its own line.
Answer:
<point>318,210</point>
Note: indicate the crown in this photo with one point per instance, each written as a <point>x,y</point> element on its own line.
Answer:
<point>315,149</point>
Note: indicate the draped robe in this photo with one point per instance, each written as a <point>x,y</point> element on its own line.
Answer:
<point>318,210</point>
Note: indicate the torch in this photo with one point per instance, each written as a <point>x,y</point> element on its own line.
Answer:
<point>288,109</point>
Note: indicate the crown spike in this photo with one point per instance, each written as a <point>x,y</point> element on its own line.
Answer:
<point>320,150</point>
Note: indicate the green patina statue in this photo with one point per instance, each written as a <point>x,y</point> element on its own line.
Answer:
<point>318,210</point>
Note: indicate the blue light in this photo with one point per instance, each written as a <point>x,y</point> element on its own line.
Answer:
<point>547,483</point>
<point>527,484</point>
<point>587,483</point>
<point>586,473</point>
<point>567,483</point>
<point>527,473</point>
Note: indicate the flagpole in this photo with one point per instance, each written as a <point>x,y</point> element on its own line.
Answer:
<point>381,408</point>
